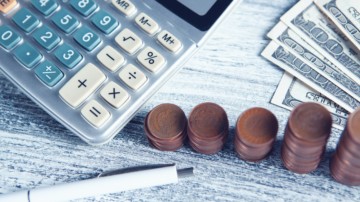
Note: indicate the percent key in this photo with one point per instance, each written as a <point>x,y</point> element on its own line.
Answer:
<point>151,59</point>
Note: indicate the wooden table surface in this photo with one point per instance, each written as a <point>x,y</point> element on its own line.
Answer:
<point>37,151</point>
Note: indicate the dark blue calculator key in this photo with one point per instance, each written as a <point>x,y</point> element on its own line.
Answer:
<point>48,73</point>
<point>68,56</point>
<point>8,37</point>
<point>65,21</point>
<point>46,7</point>
<point>26,20</point>
<point>84,7</point>
<point>104,22</point>
<point>27,55</point>
<point>87,38</point>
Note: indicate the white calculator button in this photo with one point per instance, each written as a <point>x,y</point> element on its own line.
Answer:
<point>110,58</point>
<point>82,85</point>
<point>128,41</point>
<point>132,76</point>
<point>151,59</point>
<point>95,113</point>
<point>169,41</point>
<point>124,6</point>
<point>147,24</point>
<point>114,94</point>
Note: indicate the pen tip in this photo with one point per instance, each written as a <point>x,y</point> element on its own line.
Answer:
<point>185,172</point>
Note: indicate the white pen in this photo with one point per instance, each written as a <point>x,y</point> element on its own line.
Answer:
<point>112,182</point>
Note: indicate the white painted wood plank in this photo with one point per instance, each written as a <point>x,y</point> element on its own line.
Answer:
<point>37,151</point>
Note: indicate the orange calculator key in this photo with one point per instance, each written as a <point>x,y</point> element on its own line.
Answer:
<point>7,5</point>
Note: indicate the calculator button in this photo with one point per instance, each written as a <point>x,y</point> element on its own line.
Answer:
<point>110,58</point>
<point>48,73</point>
<point>129,41</point>
<point>151,59</point>
<point>124,6</point>
<point>95,113</point>
<point>46,37</point>
<point>84,7</point>
<point>147,24</point>
<point>169,41</point>
<point>46,7</point>
<point>115,95</point>
<point>7,6</point>
<point>87,38</point>
<point>26,20</point>
<point>68,56</point>
<point>132,76</point>
<point>65,21</point>
<point>104,22</point>
<point>82,85</point>
<point>8,37</point>
<point>27,55</point>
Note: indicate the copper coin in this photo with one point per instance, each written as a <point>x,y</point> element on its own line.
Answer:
<point>295,156</point>
<point>252,151</point>
<point>298,168</point>
<point>257,126</point>
<point>165,126</point>
<point>347,157</point>
<point>311,122</point>
<point>353,126</point>
<point>302,149</point>
<point>208,120</point>
<point>249,154</point>
<point>344,175</point>
<point>350,144</point>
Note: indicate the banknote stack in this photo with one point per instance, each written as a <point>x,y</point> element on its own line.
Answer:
<point>317,43</point>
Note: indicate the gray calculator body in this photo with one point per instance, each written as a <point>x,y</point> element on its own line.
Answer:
<point>190,22</point>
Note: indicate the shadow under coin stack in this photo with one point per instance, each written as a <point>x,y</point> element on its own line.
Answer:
<point>165,127</point>
<point>208,128</point>
<point>345,163</point>
<point>305,137</point>
<point>255,134</point>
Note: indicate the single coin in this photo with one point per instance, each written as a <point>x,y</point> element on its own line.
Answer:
<point>310,121</point>
<point>257,126</point>
<point>353,126</point>
<point>166,121</point>
<point>208,120</point>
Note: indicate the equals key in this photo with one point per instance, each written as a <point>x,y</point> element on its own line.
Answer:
<point>111,58</point>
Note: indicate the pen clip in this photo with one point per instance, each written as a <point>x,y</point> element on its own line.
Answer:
<point>133,169</point>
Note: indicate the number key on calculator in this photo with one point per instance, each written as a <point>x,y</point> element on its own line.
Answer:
<point>91,64</point>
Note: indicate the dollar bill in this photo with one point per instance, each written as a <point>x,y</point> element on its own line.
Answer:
<point>288,39</point>
<point>298,68</point>
<point>346,16</point>
<point>292,92</point>
<point>318,31</point>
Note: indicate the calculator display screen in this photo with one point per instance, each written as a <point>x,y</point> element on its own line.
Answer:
<point>201,14</point>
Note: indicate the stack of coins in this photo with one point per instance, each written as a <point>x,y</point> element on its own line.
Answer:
<point>345,163</point>
<point>165,127</point>
<point>255,134</point>
<point>208,128</point>
<point>305,137</point>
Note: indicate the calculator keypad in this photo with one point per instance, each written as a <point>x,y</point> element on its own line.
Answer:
<point>8,37</point>
<point>46,37</point>
<point>95,113</point>
<point>68,56</point>
<point>26,20</point>
<point>81,29</point>
<point>27,55</point>
<point>132,76</point>
<point>82,85</point>
<point>48,73</point>
<point>46,7</point>
<point>110,58</point>
<point>128,41</point>
<point>87,38</point>
<point>124,6</point>
<point>65,21</point>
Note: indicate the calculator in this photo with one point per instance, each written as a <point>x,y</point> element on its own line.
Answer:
<point>91,64</point>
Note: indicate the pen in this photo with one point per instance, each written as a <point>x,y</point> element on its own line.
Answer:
<point>111,182</point>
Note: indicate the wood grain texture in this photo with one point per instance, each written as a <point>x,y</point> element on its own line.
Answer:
<point>37,151</point>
